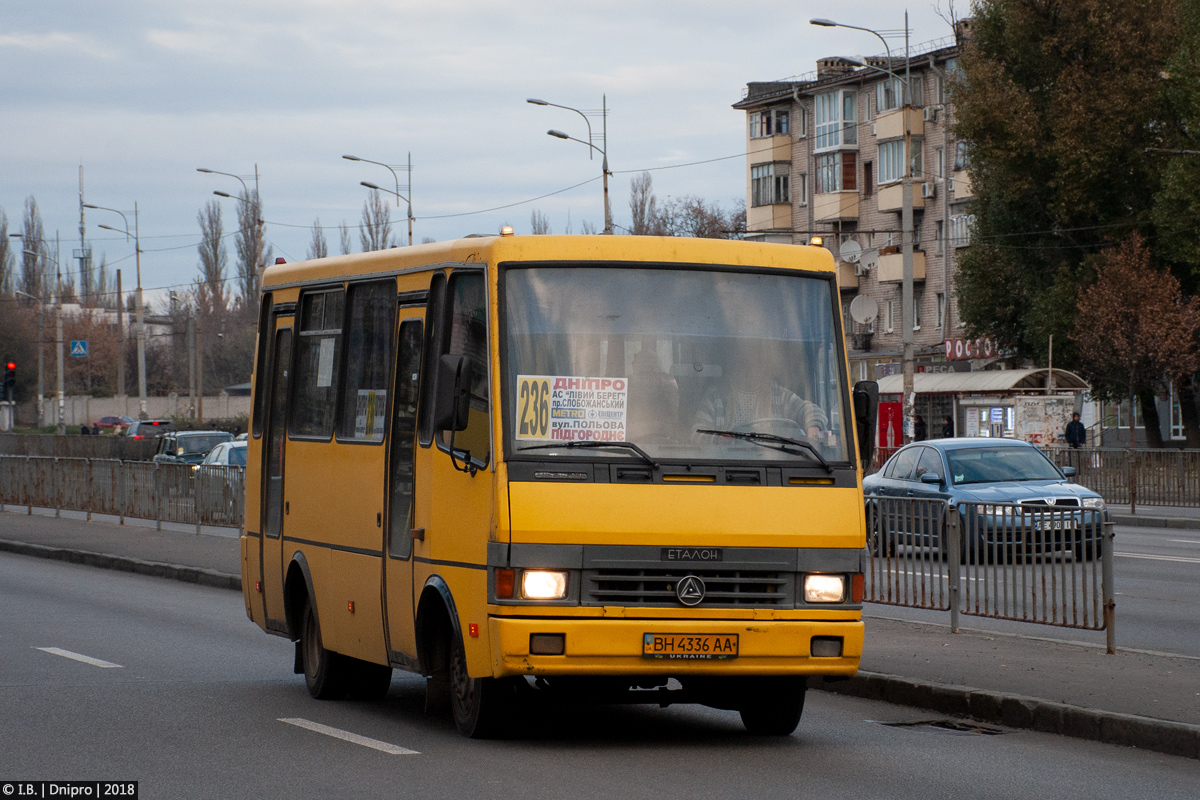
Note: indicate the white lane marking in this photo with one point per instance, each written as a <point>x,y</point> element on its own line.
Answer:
<point>1148,557</point>
<point>353,738</point>
<point>95,662</point>
<point>1185,541</point>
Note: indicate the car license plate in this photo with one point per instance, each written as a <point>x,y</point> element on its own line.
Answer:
<point>689,646</point>
<point>1054,525</point>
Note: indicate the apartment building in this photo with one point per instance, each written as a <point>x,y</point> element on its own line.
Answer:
<point>826,157</point>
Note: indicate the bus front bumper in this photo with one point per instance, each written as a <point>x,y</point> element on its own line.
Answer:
<point>617,647</point>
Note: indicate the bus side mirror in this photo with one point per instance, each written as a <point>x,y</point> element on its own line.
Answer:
<point>866,419</point>
<point>452,403</point>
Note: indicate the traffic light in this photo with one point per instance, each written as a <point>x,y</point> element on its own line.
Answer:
<point>10,380</point>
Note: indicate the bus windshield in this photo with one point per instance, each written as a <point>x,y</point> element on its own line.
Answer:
<point>655,356</point>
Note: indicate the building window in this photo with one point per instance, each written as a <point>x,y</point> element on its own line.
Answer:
<point>889,95</point>
<point>868,179</point>
<point>837,172</point>
<point>837,119</point>
<point>801,189</point>
<point>960,229</point>
<point>939,161</point>
<point>939,236</point>
<point>941,310</point>
<point>769,183</point>
<point>891,316</point>
<point>772,122</point>
<point>962,159</point>
<point>918,297</point>
<point>891,161</point>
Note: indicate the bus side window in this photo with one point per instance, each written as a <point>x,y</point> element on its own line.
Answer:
<point>435,311</point>
<point>262,367</point>
<point>404,424</point>
<point>467,336</point>
<point>317,351</point>
<point>370,326</point>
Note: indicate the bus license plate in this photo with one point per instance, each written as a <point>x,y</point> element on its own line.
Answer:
<point>689,646</point>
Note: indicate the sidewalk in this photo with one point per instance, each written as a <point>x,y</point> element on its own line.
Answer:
<point>1134,698</point>
<point>1156,516</point>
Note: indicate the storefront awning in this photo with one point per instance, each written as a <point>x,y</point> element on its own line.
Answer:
<point>986,382</point>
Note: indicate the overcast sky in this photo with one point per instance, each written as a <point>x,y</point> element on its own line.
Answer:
<point>142,92</point>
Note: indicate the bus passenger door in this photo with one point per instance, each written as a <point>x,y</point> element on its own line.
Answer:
<point>398,544</point>
<point>273,510</point>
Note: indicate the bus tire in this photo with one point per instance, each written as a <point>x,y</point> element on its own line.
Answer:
<point>325,672</point>
<point>368,681</point>
<point>775,709</point>
<point>479,704</point>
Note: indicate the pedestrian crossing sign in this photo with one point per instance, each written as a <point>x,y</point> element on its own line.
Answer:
<point>79,348</point>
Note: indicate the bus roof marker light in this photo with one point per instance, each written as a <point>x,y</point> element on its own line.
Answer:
<point>816,241</point>
<point>506,230</point>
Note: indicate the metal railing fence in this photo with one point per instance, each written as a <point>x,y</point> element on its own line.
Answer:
<point>205,495</point>
<point>1028,563</point>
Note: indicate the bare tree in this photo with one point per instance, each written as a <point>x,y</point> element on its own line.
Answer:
<point>317,246</point>
<point>251,257</point>
<point>345,243</point>
<point>6,256</point>
<point>642,204</point>
<point>539,223</point>
<point>33,259</point>
<point>209,286</point>
<point>376,230</point>
<point>587,228</point>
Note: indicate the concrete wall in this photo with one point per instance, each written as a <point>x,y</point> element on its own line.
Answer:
<point>83,410</point>
<point>119,447</point>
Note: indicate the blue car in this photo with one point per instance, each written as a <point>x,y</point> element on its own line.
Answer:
<point>1009,497</point>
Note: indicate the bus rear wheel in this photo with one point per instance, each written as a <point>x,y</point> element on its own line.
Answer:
<point>325,672</point>
<point>775,708</point>
<point>480,705</point>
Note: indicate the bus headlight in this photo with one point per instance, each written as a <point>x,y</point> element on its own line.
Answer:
<point>824,588</point>
<point>541,584</point>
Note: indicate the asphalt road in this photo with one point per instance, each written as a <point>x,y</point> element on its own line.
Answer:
<point>111,676</point>
<point>1157,576</point>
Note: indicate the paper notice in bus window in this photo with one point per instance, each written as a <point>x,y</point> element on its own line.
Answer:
<point>368,416</point>
<point>325,364</point>
<point>563,408</point>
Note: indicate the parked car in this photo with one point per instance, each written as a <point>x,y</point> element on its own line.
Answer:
<point>117,424</point>
<point>149,428</point>
<point>1009,496</point>
<point>227,454</point>
<point>188,447</point>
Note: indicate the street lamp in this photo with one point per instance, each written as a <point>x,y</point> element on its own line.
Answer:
<point>140,326</point>
<point>602,150</point>
<point>906,215</point>
<point>258,221</point>
<point>399,197</point>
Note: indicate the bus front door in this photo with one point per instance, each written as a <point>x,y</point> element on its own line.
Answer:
<point>398,544</point>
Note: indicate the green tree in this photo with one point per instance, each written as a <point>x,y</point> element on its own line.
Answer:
<point>1057,102</point>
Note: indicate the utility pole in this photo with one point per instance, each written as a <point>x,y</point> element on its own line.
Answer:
<point>191,334</point>
<point>58,335</point>
<point>122,338</point>
<point>906,224</point>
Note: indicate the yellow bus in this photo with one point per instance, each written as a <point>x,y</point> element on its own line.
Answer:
<point>613,468</point>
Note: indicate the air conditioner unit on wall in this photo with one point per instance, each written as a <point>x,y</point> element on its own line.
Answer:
<point>929,190</point>
<point>931,113</point>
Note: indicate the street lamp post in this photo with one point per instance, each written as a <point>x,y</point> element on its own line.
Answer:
<point>602,150</point>
<point>399,197</point>
<point>140,324</point>
<point>906,220</point>
<point>41,331</point>
<point>258,220</point>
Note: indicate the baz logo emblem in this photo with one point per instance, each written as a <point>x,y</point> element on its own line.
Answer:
<point>690,590</point>
<point>691,554</point>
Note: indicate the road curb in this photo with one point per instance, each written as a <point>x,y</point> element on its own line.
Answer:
<point>157,569</point>
<point>1019,711</point>
<point>1137,520</point>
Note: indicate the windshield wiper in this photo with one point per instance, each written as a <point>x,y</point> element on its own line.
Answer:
<point>768,439</point>
<point>592,444</point>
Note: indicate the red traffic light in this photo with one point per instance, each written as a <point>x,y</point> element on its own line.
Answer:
<point>11,365</point>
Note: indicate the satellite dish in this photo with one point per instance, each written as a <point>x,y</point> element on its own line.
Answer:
<point>863,309</point>
<point>851,251</point>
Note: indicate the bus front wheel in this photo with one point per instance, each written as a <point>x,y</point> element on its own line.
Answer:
<point>324,671</point>
<point>774,709</point>
<point>479,704</point>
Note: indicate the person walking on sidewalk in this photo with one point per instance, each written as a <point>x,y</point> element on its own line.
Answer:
<point>1076,434</point>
